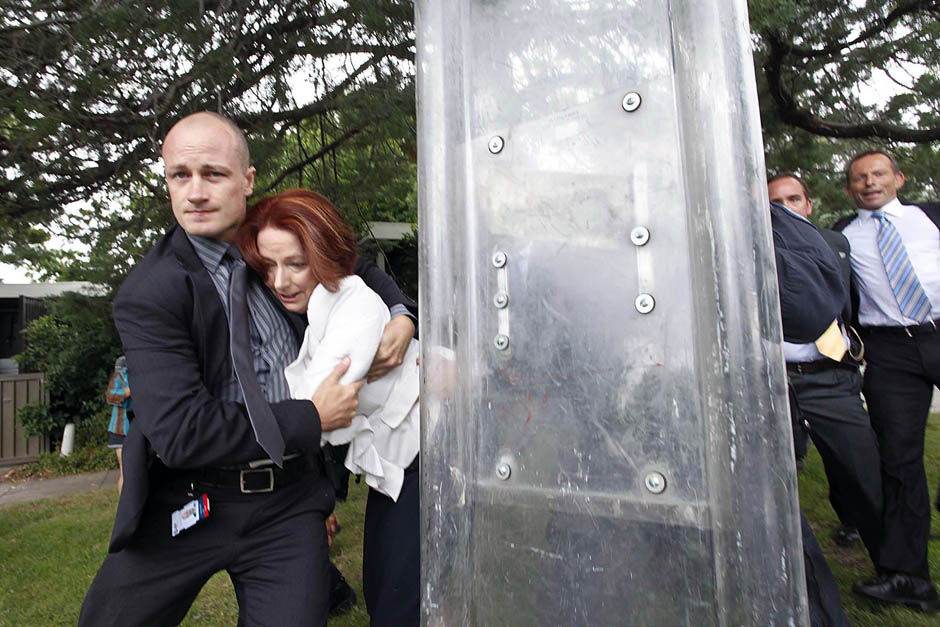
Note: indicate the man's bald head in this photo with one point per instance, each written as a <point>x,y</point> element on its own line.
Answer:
<point>205,161</point>
<point>202,118</point>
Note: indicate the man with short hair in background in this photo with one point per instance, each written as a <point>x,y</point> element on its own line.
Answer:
<point>827,391</point>
<point>812,292</point>
<point>896,266</point>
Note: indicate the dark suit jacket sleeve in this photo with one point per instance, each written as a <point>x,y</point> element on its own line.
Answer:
<point>383,285</point>
<point>812,291</point>
<point>172,344</point>
<point>840,246</point>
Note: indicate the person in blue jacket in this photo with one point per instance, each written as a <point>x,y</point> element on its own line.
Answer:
<point>119,397</point>
<point>812,293</point>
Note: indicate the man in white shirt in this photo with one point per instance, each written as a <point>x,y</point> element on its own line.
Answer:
<point>896,266</point>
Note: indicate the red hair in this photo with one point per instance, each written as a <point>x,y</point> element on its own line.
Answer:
<point>329,244</point>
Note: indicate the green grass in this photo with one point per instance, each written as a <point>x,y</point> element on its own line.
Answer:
<point>50,551</point>
<point>852,564</point>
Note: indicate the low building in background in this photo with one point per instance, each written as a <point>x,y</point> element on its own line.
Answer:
<point>21,303</point>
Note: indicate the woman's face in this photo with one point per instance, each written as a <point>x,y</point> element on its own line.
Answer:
<point>288,273</point>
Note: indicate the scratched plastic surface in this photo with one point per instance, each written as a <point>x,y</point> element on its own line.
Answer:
<point>553,410</point>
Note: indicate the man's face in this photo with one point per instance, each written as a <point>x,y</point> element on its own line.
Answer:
<point>873,183</point>
<point>207,176</point>
<point>789,193</point>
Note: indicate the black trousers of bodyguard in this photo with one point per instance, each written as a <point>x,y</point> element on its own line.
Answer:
<point>830,401</point>
<point>272,545</point>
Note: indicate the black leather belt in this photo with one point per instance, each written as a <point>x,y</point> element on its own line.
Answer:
<point>812,367</point>
<point>249,480</point>
<point>925,328</point>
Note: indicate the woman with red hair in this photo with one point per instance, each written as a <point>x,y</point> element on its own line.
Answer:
<point>298,243</point>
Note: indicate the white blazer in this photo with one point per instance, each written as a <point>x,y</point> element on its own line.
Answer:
<point>384,437</point>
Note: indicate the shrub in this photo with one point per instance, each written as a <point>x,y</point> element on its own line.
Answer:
<point>93,430</point>
<point>86,459</point>
<point>75,346</point>
<point>37,419</point>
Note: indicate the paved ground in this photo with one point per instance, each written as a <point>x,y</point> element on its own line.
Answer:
<point>12,493</point>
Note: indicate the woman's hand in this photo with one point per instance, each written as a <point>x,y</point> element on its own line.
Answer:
<point>392,347</point>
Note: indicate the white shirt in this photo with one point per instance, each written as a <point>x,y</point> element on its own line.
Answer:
<point>798,353</point>
<point>877,305</point>
<point>384,437</point>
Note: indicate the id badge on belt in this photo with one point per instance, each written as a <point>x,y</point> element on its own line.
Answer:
<point>189,514</point>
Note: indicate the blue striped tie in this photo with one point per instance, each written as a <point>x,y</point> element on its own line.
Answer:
<point>904,282</point>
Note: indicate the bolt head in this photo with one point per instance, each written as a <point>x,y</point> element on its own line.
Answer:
<point>495,144</point>
<point>655,482</point>
<point>640,236</point>
<point>631,102</point>
<point>644,303</point>
<point>501,299</point>
<point>503,471</point>
<point>499,259</point>
<point>501,341</point>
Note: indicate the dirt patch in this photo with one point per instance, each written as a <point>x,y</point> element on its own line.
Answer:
<point>25,473</point>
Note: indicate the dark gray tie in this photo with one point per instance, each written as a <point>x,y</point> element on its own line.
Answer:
<point>267,433</point>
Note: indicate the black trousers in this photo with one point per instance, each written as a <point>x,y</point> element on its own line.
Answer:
<point>391,555</point>
<point>902,371</point>
<point>822,591</point>
<point>272,545</point>
<point>830,401</point>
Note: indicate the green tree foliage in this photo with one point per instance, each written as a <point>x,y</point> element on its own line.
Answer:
<point>324,90</point>
<point>836,78</point>
<point>75,345</point>
<point>90,88</point>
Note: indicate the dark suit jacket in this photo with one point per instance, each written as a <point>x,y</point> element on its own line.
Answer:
<point>176,339</point>
<point>932,211</point>
<point>812,292</point>
<point>840,246</point>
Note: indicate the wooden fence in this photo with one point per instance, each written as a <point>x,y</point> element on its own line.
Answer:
<point>16,391</point>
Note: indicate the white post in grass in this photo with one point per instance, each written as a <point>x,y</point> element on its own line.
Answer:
<point>68,439</point>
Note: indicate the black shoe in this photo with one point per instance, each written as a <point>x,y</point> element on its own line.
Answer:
<point>846,536</point>
<point>914,592</point>
<point>342,598</point>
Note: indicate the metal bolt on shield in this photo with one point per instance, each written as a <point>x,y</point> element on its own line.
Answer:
<point>644,303</point>
<point>631,102</point>
<point>655,482</point>
<point>640,236</point>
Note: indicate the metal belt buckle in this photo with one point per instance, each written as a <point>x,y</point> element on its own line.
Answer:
<point>256,471</point>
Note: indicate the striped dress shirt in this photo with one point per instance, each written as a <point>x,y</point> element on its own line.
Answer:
<point>272,340</point>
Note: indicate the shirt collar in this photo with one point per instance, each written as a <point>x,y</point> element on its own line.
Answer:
<point>792,213</point>
<point>894,209</point>
<point>210,251</point>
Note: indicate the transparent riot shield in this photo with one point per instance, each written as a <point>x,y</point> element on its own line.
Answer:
<point>605,426</point>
